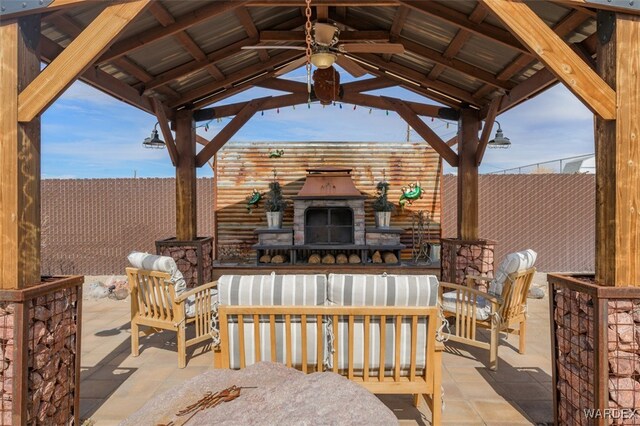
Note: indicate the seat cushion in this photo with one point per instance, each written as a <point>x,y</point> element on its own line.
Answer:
<point>449,302</point>
<point>513,262</point>
<point>270,290</point>
<point>381,290</point>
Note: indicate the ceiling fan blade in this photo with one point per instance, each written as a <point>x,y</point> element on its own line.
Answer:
<point>371,48</point>
<point>292,66</point>
<point>273,47</point>
<point>350,66</point>
<point>324,33</point>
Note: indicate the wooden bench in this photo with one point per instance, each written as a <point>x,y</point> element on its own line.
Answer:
<point>353,341</point>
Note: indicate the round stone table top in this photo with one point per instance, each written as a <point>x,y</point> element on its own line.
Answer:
<point>271,394</point>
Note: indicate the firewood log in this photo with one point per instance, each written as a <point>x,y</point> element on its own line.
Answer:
<point>354,258</point>
<point>314,259</point>
<point>376,258</point>
<point>265,258</point>
<point>389,257</point>
<point>328,259</point>
<point>341,259</point>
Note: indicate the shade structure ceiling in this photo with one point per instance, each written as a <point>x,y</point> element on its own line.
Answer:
<point>190,53</point>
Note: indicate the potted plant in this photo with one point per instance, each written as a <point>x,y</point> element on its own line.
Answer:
<point>382,206</point>
<point>274,204</point>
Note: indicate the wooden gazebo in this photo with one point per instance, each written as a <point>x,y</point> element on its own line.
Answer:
<point>180,60</point>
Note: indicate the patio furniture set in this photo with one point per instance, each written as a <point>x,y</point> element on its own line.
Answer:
<point>385,332</point>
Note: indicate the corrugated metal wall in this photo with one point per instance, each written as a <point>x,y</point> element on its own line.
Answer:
<point>240,167</point>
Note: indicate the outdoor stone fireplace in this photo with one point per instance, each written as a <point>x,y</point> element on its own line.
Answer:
<point>329,209</point>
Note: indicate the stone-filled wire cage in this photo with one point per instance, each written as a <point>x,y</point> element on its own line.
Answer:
<point>40,349</point>
<point>596,344</point>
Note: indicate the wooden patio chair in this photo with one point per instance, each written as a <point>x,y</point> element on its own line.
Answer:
<point>159,300</point>
<point>499,310</point>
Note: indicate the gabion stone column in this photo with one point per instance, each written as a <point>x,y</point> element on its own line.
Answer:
<point>194,258</point>
<point>461,258</point>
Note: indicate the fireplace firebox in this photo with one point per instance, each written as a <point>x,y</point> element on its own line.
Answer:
<point>328,225</point>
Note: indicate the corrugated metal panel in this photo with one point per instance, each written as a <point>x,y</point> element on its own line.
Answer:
<point>430,32</point>
<point>219,32</point>
<point>161,55</point>
<point>267,17</point>
<point>382,17</point>
<point>456,78</point>
<point>241,167</point>
<point>489,56</point>
<point>192,81</point>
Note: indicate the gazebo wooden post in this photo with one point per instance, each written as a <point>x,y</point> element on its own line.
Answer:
<point>467,254</point>
<point>19,157</point>
<point>186,215</point>
<point>618,156</point>
<point>192,254</point>
<point>468,175</point>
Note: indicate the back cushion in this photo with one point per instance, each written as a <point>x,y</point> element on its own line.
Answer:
<point>381,290</point>
<point>152,262</point>
<point>269,290</point>
<point>513,262</point>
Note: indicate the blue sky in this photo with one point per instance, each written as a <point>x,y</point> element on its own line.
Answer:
<point>87,134</point>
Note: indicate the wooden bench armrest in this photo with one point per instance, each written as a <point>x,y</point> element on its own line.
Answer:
<point>196,290</point>
<point>478,278</point>
<point>466,289</point>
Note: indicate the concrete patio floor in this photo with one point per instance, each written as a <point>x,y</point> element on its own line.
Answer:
<point>114,384</point>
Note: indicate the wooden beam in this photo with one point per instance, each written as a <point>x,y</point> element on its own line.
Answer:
<point>228,131</point>
<point>191,67</point>
<point>322,13</point>
<point>301,3</point>
<point>76,58</point>
<point>19,159</point>
<point>454,64</point>
<point>201,140</point>
<point>423,130</point>
<point>186,197</point>
<point>529,88</point>
<point>552,51</point>
<point>380,102</point>
<point>271,102</point>
<point>453,141</point>
<point>468,228</point>
<point>166,130</point>
<point>182,23</point>
<point>486,129</point>
<point>564,27</point>
<point>269,36</point>
<point>622,7</point>
<point>618,160</point>
<point>249,26</point>
<point>369,84</point>
<point>391,68</point>
<point>245,73</point>
<point>283,85</point>
<point>461,37</point>
<point>56,5</point>
<point>234,89</point>
<point>102,81</point>
<point>461,20</point>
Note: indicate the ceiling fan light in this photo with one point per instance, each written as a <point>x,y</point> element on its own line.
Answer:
<point>323,60</point>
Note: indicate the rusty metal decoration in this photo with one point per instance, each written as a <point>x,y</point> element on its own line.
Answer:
<point>326,85</point>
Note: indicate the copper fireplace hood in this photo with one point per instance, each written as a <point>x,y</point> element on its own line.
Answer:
<point>329,183</point>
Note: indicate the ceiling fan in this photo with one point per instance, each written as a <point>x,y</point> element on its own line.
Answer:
<point>326,50</point>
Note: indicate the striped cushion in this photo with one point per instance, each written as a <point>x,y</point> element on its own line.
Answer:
<point>382,290</point>
<point>450,304</point>
<point>513,262</point>
<point>270,290</point>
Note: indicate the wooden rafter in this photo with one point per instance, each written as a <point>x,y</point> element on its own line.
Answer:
<point>566,25</point>
<point>453,141</point>
<point>269,103</point>
<point>529,88</point>
<point>423,130</point>
<point>246,73</point>
<point>375,83</point>
<point>461,37</point>
<point>140,40</point>
<point>283,85</point>
<point>164,17</point>
<point>270,36</point>
<point>396,27</point>
<point>228,131</point>
<point>166,131</point>
<point>392,68</point>
<point>76,58</point>
<point>234,90</point>
<point>322,13</point>
<point>459,19</point>
<point>101,80</point>
<point>557,56</point>
<point>486,129</point>
<point>249,26</point>
<point>338,3</point>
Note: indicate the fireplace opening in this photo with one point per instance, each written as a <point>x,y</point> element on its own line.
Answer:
<point>328,225</point>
